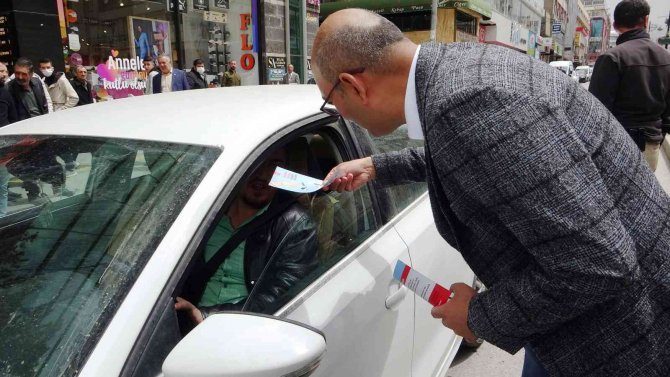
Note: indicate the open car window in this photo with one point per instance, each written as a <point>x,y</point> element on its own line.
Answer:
<point>325,228</point>
<point>73,241</point>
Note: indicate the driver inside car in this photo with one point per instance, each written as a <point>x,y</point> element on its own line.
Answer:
<point>265,243</point>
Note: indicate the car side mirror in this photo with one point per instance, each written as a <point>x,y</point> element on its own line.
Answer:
<point>247,344</point>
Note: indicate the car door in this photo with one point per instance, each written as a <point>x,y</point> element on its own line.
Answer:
<point>366,317</point>
<point>434,345</point>
<point>349,295</point>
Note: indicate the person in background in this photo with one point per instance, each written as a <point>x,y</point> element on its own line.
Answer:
<point>60,90</point>
<point>27,91</point>
<point>4,74</point>
<point>150,70</point>
<point>30,101</point>
<point>170,79</point>
<point>63,97</point>
<point>230,77</point>
<point>7,107</point>
<point>291,77</point>
<point>82,86</point>
<point>196,76</point>
<point>633,79</point>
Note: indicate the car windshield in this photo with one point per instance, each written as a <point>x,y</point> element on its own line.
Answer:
<point>79,219</point>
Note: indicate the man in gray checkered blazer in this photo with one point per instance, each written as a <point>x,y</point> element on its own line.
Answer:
<point>531,179</point>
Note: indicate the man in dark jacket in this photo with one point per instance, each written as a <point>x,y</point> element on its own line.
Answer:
<point>286,240</point>
<point>27,91</point>
<point>82,86</point>
<point>633,79</point>
<point>196,76</point>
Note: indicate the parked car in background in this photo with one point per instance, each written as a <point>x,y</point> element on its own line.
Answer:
<point>89,280</point>
<point>583,73</point>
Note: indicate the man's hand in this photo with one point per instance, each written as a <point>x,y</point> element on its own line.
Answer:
<point>190,309</point>
<point>351,175</point>
<point>454,313</point>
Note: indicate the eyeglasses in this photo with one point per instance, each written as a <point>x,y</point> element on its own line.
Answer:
<point>331,110</point>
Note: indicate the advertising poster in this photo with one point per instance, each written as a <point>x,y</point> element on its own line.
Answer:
<point>276,69</point>
<point>148,37</point>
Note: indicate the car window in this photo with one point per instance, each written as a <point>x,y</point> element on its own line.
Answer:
<point>69,258</point>
<point>334,224</point>
<point>394,198</point>
<point>259,261</point>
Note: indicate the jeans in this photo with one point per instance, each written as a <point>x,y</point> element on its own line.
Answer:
<point>531,365</point>
<point>4,190</point>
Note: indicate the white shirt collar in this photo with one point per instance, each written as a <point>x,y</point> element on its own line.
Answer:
<point>411,109</point>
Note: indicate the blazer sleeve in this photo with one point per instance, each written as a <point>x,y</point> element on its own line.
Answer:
<point>605,80</point>
<point>184,82</point>
<point>549,195</point>
<point>399,167</point>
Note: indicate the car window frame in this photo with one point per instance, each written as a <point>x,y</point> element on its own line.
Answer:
<point>178,275</point>
<point>377,197</point>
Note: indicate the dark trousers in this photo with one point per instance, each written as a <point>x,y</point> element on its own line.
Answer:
<point>531,365</point>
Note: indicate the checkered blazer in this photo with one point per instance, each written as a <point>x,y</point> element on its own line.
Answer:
<point>551,204</point>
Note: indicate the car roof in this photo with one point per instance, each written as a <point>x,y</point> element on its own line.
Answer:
<point>214,117</point>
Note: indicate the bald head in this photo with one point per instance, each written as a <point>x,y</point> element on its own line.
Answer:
<point>351,39</point>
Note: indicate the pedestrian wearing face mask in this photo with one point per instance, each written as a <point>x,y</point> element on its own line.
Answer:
<point>60,90</point>
<point>196,76</point>
<point>230,77</point>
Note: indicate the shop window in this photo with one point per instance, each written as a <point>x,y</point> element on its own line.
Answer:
<point>410,21</point>
<point>466,23</point>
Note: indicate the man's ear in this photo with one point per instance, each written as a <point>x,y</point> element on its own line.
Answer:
<point>356,84</point>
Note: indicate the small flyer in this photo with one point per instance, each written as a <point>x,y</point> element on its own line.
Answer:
<point>422,286</point>
<point>285,179</point>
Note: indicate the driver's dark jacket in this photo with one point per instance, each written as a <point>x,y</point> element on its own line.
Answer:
<point>290,240</point>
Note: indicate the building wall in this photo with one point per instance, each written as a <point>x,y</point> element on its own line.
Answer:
<point>274,26</point>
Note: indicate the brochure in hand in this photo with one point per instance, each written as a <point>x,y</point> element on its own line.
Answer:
<point>424,287</point>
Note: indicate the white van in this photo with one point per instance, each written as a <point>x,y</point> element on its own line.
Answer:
<point>564,65</point>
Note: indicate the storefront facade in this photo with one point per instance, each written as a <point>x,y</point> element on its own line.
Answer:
<point>456,21</point>
<point>112,37</point>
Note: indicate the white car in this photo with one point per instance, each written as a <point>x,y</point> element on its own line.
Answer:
<point>91,266</point>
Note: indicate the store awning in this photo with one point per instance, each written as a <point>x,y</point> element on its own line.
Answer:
<point>404,6</point>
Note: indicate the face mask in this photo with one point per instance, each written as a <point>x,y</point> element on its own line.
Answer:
<point>200,70</point>
<point>47,72</point>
